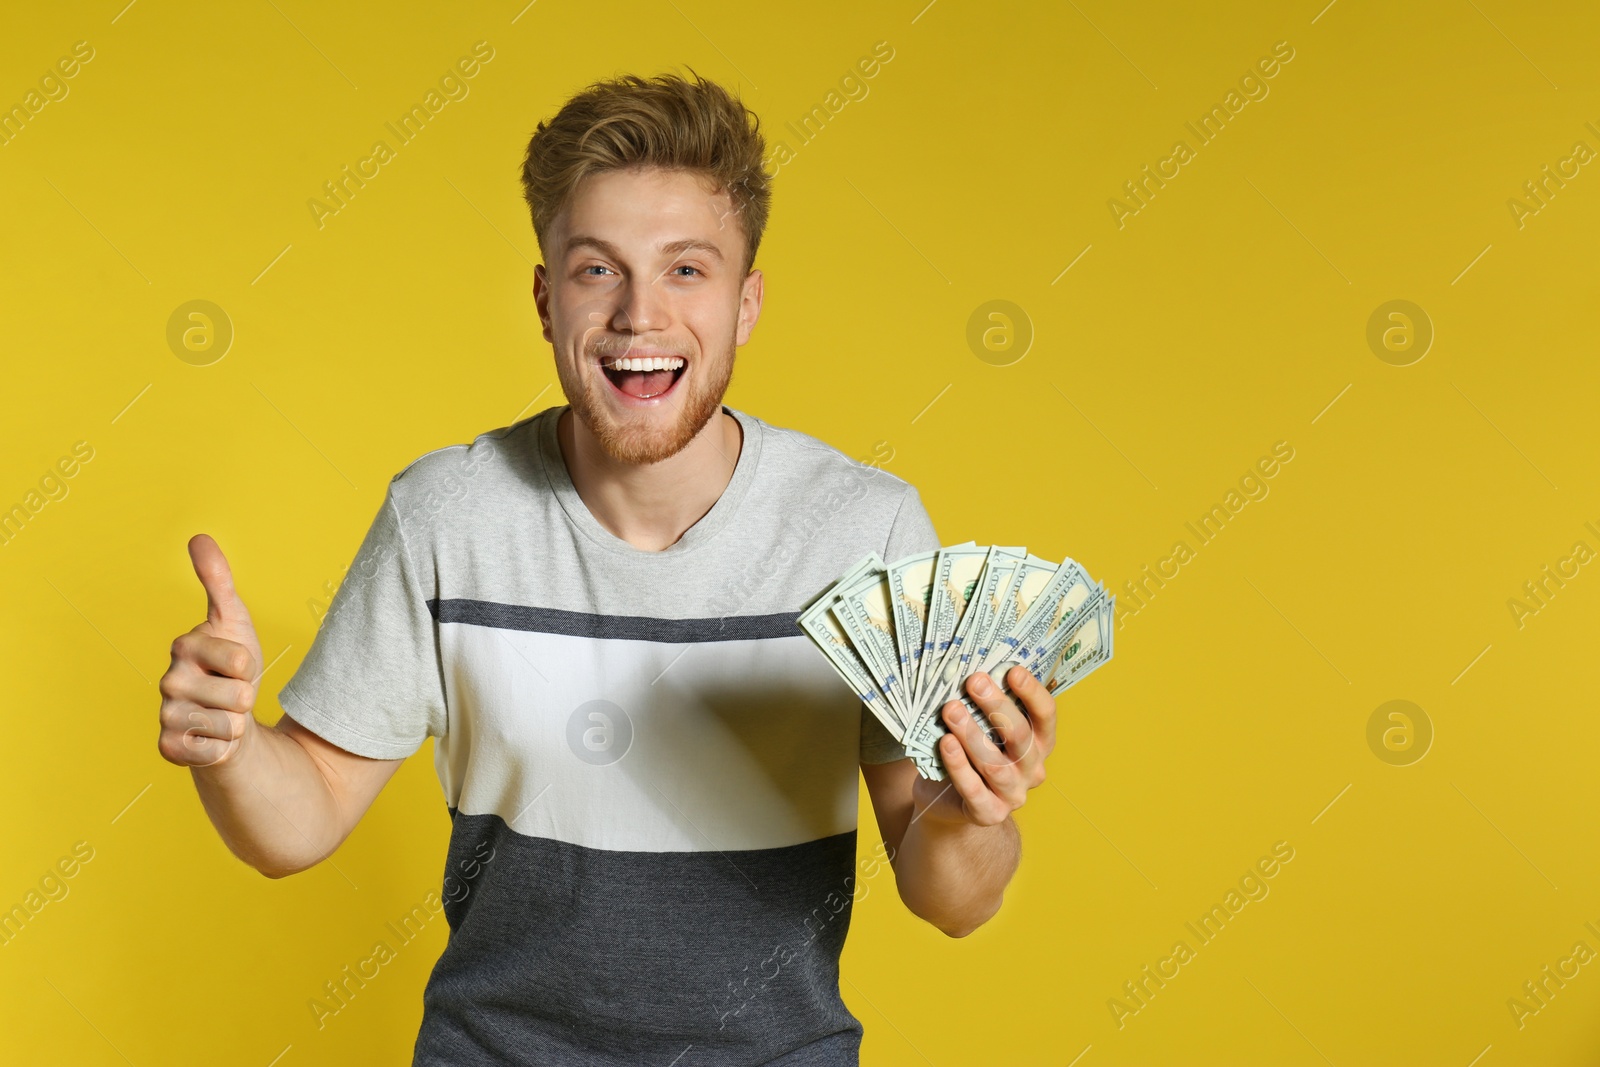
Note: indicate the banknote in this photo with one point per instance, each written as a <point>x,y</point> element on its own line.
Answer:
<point>819,623</point>
<point>973,616</point>
<point>863,611</point>
<point>910,589</point>
<point>941,679</point>
<point>1067,590</point>
<point>1031,576</point>
<point>906,635</point>
<point>1088,647</point>
<point>955,579</point>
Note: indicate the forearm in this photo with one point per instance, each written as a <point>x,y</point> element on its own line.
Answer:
<point>271,804</point>
<point>953,874</point>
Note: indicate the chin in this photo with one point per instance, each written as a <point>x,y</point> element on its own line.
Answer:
<point>639,441</point>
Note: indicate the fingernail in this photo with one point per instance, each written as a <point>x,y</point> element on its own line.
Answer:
<point>981,684</point>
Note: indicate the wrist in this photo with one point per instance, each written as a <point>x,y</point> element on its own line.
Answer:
<point>948,818</point>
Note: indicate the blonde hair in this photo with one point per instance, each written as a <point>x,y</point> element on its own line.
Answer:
<point>665,121</point>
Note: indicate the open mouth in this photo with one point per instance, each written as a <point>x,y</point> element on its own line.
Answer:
<point>644,377</point>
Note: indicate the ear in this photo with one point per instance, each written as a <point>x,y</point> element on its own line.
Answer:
<point>541,300</point>
<point>750,295</point>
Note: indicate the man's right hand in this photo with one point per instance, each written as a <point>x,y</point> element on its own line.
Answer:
<point>209,691</point>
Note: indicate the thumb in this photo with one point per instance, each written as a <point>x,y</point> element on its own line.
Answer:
<point>223,606</point>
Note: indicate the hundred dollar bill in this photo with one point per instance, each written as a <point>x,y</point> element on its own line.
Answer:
<point>930,637</point>
<point>825,631</point>
<point>863,611</point>
<point>1045,654</point>
<point>1079,626</point>
<point>976,624</point>
<point>955,579</point>
<point>1020,578</point>
<point>910,589</point>
<point>1067,590</point>
<point>951,667</point>
<point>993,607</point>
<point>818,622</point>
<point>1087,648</point>
<point>1031,576</point>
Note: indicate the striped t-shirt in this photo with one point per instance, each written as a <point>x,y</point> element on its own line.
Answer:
<point>651,773</point>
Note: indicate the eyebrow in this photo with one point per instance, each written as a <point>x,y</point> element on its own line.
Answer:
<point>667,247</point>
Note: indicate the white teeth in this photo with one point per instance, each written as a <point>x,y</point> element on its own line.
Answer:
<point>647,363</point>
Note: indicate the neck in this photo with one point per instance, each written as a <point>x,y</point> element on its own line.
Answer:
<point>650,506</point>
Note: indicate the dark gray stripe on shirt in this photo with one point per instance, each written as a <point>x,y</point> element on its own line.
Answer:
<point>562,954</point>
<point>617,627</point>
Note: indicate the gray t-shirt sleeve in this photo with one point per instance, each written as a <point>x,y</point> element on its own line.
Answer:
<point>912,532</point>
<point>371,682</point>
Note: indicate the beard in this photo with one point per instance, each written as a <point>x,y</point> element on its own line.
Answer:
<point>644,437</point>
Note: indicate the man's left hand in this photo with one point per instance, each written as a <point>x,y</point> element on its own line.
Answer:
<point>987,783</point>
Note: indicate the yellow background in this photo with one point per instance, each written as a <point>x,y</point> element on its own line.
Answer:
<point>1222,318</point>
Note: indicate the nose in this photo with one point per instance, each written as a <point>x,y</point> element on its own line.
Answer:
<point>641,308</point>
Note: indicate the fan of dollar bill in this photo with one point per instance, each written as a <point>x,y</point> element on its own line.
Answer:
<point>905,636</point>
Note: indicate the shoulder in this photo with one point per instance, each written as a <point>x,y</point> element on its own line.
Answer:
<point>445,473</point>
<point>811,467</point>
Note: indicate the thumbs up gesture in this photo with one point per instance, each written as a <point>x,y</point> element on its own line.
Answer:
<point>209,691</point>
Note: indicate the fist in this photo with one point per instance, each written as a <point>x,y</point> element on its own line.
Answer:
<point>209,691</point>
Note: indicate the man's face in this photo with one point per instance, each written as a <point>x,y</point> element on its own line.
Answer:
<point>644,303</point>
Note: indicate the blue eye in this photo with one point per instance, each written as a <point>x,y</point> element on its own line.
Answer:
<point>595,266</point>
<point>687,267</point>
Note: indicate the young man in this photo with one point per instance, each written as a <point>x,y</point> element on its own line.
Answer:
<point>651,773</point>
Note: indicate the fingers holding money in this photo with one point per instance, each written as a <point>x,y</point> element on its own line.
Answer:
<point>999,768</point>
<point>978,800</point>
<point>1039,708</point>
